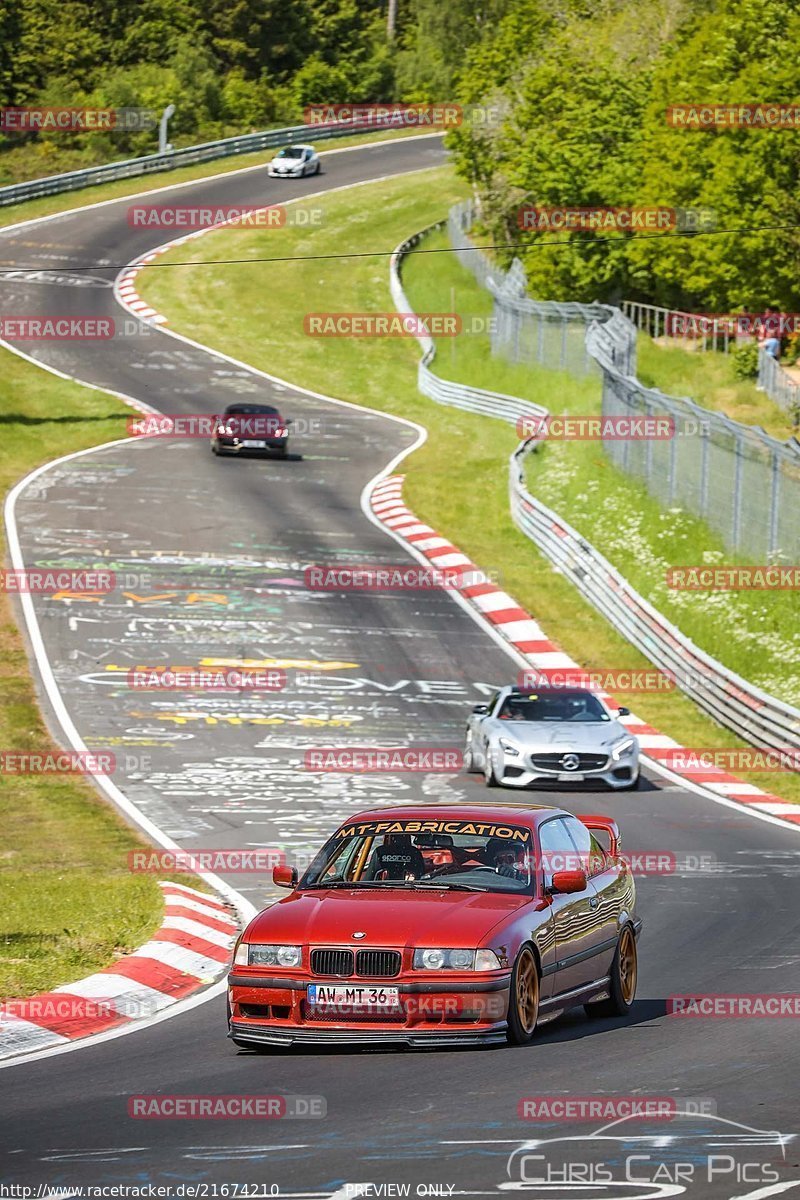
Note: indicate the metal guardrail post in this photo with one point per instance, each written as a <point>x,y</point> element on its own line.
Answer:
<point>774,503</point>
<point>737,490</point>
<point>705,461</point>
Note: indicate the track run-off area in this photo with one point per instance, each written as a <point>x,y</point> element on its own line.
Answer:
<point>215,550</point>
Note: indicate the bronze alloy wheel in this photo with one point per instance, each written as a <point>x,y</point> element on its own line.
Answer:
<point>523,1009</point>
<point>621,980</point>
<point>627,965</point>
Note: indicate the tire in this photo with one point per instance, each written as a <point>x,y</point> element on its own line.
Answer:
<point>319,168</point>
<point>469,759</point>
<point>488,771</point>
<point>282,451</point>
<point>214,448</point>
<point>624,972</point>
<point>523,999</point>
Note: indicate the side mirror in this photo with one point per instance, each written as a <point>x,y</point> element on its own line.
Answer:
<point>481,709</point>
<point>564,882</point>
<point>284,876</point>
<point>289,421</point>
<point>624,712</point>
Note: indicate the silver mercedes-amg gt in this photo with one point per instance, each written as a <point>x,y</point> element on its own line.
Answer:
<point>553,735</point>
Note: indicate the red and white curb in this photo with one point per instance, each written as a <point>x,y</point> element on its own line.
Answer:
<point>125,284</point>
<point>518,628</point>
<point>192,948</point>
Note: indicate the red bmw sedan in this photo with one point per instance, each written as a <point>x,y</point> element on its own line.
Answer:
<point>428,927</point>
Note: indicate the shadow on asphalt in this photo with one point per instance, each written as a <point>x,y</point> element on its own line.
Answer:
<point>255,456</point>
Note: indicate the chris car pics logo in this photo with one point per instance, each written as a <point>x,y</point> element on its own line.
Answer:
<point>667,1154</point>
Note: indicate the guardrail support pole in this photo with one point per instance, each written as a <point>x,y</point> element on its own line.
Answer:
<point>737,493</point>
<point>168,112</point>
<point>774,506</point>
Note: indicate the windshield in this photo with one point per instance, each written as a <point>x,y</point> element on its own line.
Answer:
<point>555,705</point>
<point>261,409</point>
<point>426,854</point>
<point>291,152</point>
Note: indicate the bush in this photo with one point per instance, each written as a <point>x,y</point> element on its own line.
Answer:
<point>745,360</point>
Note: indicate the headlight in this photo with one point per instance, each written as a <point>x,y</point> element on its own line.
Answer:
<point>255,955</point>
<point>509,748</point>
<point>486,960</point>
<point>455,960</point>
<point>623,746</point>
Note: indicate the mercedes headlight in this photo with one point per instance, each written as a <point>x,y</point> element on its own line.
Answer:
<point>622,747</point>
<point>511,750</point>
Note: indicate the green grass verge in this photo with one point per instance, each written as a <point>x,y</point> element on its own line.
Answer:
<point>46,205</point>
<point>68,904</point>
<point>458,480</point>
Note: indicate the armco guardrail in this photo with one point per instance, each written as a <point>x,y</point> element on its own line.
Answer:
<point>153,163</point>
<point>759,718</point>
<point>444,391</point>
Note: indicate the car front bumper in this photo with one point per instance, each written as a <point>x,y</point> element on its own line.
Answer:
<point>274,1011</point>
<point>517,772</point>
<point>234,446</point>
<point>247,1035</point>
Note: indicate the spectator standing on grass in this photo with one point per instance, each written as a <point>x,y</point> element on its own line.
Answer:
<point>772,340</point>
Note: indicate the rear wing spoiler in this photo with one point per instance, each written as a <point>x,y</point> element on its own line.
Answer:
<point>604,825</point>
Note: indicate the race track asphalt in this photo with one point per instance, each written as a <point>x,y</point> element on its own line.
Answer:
<point>214,551</point>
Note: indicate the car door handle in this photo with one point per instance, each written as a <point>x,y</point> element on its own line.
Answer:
<point>593,902</point>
